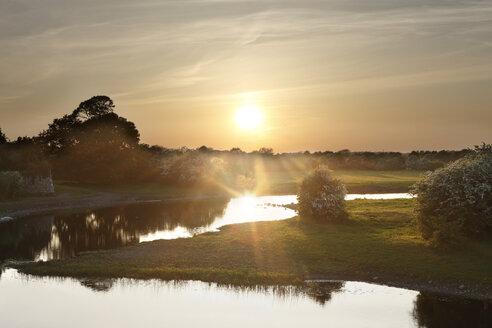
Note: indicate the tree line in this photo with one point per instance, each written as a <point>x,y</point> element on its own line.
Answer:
<point>94,144</point>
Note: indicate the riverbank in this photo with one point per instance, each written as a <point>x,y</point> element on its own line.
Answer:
<point>68,202</point>
<point>379,244</point>
<point>74,196</point>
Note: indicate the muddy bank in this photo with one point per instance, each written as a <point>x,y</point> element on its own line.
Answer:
<point>67,202</point>
<point>49,204</point>
<point>446,288</point>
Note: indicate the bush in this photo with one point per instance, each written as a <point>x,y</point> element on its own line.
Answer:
<point>416,163</point>
<point>456,201</point>
<point>322,197</point>
<point>197,169</point>
<point>10,185</point>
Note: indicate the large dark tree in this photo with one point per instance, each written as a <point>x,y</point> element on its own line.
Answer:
<point>60,134</point>
<point>108,129</point>
<point>94,144</point>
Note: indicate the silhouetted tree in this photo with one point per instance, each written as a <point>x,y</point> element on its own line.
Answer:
<point>60,134</point>
<point>94,144</point>
<point>265,151</point>
<point>205,149</point>
<point>105,149</point>
<point>3,137</point>
<point>97,106</point>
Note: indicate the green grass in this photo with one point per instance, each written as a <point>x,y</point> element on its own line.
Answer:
<point>380,239</point>
<point>356,181</point>
<point>273,183</point>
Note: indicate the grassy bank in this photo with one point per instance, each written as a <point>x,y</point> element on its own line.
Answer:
<point>380,242</point>
<point>72,195</point>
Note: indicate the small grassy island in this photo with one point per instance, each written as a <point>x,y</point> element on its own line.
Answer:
<point>378,243</point>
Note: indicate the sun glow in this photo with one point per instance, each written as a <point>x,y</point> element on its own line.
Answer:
<point>249,117</point>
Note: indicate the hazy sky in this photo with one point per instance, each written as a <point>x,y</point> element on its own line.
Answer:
<point>363,75</point>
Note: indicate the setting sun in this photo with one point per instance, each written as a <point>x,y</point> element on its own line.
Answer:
<point>249,117</point>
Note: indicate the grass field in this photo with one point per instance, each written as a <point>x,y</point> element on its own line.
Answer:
<point>273,183</point>
<point>380,239</point>
<point>356,181</point>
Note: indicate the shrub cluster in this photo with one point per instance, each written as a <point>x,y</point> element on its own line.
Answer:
<point>10,185</point>
<point>456,201</point>
<point>322,197</point>
<point>198,169</point>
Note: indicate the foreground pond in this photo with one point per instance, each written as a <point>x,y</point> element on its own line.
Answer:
<point>64,235</point>
<point>27,301</point>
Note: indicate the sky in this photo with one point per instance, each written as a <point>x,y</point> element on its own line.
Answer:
<point>325,75</point>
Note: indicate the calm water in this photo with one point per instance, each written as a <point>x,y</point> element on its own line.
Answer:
<point>47,302</point>
<point>64,235</point>
<point>27,301</point>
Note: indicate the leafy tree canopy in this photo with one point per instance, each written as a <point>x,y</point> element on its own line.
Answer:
<point>95,107</point>
<point>92,122</point>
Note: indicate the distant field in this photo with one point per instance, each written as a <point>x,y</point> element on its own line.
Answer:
<point>355,180</point>
<point>271,183</point>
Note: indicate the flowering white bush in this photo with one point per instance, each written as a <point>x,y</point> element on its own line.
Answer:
<point>190,169</point>
<point>194,169</point>
<point>321,196</point>
<point>456,200</point>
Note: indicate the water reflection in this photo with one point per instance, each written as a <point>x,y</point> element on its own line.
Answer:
<point>98,285</point>
<point>321,292</point>
<point>24,239</point>
<point>154,303</point>
<point>62,236</point>
<point>433,311</point>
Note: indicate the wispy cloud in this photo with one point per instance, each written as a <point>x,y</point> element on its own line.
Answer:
<point>162,52</point>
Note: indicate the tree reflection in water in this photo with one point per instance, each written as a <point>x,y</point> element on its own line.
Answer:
<point>433,310</point>
<point>24,239</point>
<point>61,236</point>
<point>320,292</point>
<point>98,285</point>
